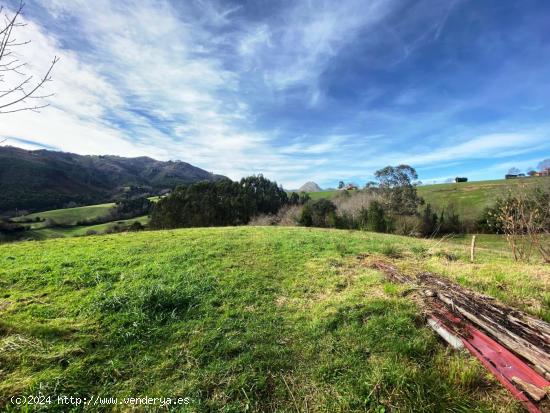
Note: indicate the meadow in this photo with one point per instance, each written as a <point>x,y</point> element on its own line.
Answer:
<point>41,233</point>
<point>67,219</point>
<point>70,216</point>
<point>468,199</point>
<point>247,319</point>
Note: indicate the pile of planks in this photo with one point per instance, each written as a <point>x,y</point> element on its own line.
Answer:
<point>512,344</point>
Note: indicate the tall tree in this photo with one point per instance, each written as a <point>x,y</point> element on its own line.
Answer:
<point>218,203</point>
<point>398,187</point>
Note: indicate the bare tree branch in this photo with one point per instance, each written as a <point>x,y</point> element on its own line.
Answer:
<point>15,97</point>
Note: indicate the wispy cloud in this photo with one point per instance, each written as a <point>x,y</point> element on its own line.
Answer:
<point>295,90</point>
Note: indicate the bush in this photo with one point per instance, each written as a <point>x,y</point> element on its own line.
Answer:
<point>52,223</point>
<point>429,225</point>
<point>524,218</point>
<point>319,213</point>
<point>376,218</point>
<point>136,226</point>
<point>9,227</point>
<point>129,208</point>
<point>264,220</point>
<point>449,221</point>
<point>351,208</point>
<point>408,225</point>
<point>289,215</point>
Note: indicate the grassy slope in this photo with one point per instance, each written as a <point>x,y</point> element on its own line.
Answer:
<point>71,215</point>
<point>469,198</point>
<point>77,231</point>
<point>264,319</point>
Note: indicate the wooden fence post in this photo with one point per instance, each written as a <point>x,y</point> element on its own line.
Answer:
<point>473,248</point>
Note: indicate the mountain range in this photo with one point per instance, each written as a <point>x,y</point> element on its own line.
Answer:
<point>41,179</point>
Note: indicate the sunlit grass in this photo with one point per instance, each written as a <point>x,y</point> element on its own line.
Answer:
<point>249,318</point>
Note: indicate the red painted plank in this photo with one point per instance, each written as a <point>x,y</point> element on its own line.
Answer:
<point>518,394</point>
<point>500,361</point>
<point>504,360</point>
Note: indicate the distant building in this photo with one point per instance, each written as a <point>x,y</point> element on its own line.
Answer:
<point>349,187</point>
<point>511,176</point>
<point>545,172</point>
<point>461,179</point>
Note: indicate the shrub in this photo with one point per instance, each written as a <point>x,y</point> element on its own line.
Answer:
<point>52,223</point>
<point>351,208</point>
<point>376,218</point>
<point>524,218</point>
<point>133,207</point>
<point>136,226</point>
<point>264,220</point>
<point>319,213</point>
<point>449,221</point>
<point>429,225</point>
<point>408,225</point>
<point>306,216</point>
<point>9,227</point>
<point>289,215</point>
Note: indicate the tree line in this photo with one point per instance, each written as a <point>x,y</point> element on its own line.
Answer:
<point>219,203</point>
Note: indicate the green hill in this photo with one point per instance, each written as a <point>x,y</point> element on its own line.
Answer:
<point>243,319</point>
<point>44,180</point>
<point>71,216</point>
<point>468,198</point>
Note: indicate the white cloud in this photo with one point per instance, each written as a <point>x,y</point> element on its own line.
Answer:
<point>144,62</point>
<point>153,80</point>
<point>297,51</point>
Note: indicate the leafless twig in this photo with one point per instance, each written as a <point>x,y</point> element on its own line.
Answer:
<point>16,95</point>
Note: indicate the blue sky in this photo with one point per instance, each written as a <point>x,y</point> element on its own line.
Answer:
<point>297,90</point>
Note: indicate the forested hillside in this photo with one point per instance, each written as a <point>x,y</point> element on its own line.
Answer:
<point>41,180</point>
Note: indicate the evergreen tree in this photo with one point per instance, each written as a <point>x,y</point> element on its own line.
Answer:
<point>429,223</point>
<point>218,203</point>
<point>376,220</point>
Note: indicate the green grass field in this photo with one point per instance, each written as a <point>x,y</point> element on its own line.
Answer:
<point>468,198</point>
<point>71,216</point>
<point>77,231</point>
<point>258,319</point>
